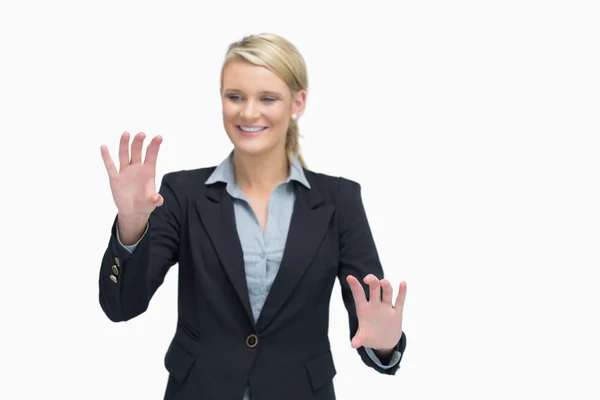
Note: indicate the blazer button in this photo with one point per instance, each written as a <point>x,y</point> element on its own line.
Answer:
<point>117,262</point>
<point>115,270</point>
<point>251,341</point>
<point>113,278</point>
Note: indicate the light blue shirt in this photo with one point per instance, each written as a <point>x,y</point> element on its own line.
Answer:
<point>263,251</point>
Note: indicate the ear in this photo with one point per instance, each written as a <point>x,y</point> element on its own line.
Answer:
<point>299,102</point>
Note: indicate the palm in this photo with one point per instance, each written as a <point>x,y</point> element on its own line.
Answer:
<point>379,323</point>
<point>133,186</point>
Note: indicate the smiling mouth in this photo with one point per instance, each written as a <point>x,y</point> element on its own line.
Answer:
<point>251,130</point>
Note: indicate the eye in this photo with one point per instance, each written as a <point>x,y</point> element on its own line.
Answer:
<point>234,97</point>
<point>269,99</point>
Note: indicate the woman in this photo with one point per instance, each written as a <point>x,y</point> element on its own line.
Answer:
<point>260,241</point>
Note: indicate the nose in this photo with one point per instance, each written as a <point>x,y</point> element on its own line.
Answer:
<point>250,110</point>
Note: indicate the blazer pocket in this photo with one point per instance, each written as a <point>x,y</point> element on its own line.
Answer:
<point>178,362</point>
<point>321,370</point>
<point>191,332</point>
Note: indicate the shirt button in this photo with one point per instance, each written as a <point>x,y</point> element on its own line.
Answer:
<point>251,340</point>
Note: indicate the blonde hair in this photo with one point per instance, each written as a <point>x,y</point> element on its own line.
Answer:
<point>283,59</point>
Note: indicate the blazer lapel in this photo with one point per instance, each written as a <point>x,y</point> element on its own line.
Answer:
<point>308,225</point>
<point>216,212</point>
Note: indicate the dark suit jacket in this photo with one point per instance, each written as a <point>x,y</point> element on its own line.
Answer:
<point>218,349</point>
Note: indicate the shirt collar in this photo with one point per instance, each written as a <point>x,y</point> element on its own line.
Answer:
<point>224,172</point>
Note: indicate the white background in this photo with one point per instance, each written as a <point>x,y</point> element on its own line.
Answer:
<point>473,127</point>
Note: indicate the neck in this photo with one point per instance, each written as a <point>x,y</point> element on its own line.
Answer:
<point>261,173</point>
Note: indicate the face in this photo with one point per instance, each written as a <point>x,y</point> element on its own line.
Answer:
<point>257,108</point>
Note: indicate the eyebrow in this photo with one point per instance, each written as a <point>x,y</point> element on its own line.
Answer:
<point>264,92</point>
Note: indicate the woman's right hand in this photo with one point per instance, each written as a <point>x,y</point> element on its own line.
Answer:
<point>133,185</point>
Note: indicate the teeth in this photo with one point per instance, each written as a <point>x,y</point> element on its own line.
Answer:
<point>251,129</point>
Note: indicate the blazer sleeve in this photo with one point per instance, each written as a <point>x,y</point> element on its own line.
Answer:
<point>359,257</point>
<point>128,280</point>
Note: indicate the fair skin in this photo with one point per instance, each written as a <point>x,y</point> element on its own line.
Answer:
<point>257,108</point>
<point>254,98</point>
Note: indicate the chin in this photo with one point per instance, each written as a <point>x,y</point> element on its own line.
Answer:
<point>250,147</point>
<point>252,144</point>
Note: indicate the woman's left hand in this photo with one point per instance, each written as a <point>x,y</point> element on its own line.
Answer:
<point>379,322</point>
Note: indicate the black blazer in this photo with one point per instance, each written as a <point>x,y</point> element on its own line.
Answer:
<point>218,349</point>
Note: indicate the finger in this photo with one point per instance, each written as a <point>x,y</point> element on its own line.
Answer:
<point>358,292</point>
<point>374,288</point>
<point>108,162</point>
<point>152,151</point>
<point>124,151</point>
<point>136,148</point>
<point>388,292</point>
<point>401,296</point>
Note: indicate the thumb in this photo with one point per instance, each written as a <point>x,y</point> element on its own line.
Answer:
<point>357,340</point>
<point>157,199</point>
